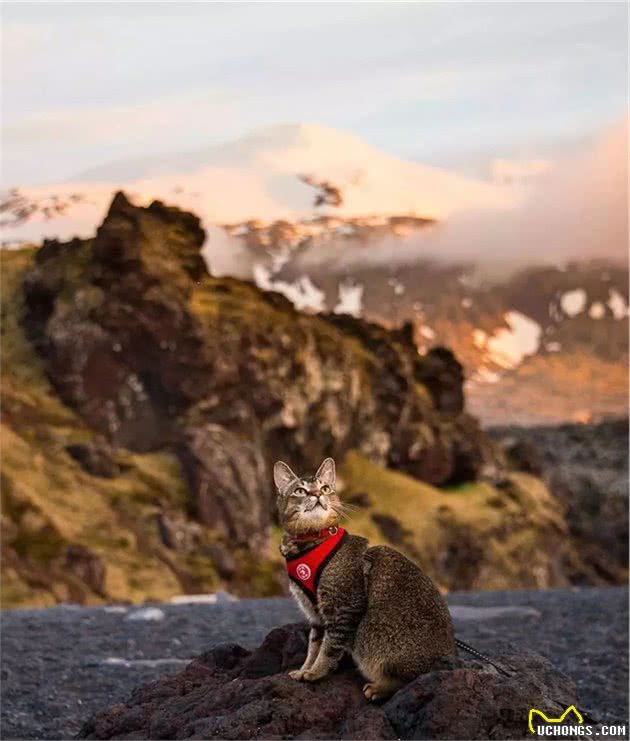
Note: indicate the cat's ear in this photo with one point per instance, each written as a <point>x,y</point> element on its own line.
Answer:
<point>326,472</point>
<point>282,475</point>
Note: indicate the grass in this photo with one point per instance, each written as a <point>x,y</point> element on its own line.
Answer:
<point>49,502</point>
<point>510,534</point>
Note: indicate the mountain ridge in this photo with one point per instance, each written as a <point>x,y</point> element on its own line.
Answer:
<point>262,176</point>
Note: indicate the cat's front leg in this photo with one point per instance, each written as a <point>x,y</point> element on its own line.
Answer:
<point>340,618</point>
<point>330,652</point>
<point>314,645</point>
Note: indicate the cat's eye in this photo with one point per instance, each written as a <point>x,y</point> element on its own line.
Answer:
<point>325,489</point>
<point>299,492</point>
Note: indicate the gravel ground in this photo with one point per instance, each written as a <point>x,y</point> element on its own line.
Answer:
<point>62,663</point>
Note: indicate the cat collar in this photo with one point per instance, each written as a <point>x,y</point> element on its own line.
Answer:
<point>317,535</point>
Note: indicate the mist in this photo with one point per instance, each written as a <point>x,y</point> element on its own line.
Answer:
<point>576,210</point>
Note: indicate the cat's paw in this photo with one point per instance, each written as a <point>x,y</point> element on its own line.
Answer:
<point>310,676</point>
<point>296,674</point>
<point>373,692</point>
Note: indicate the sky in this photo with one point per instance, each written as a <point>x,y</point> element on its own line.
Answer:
<point>452,84</point>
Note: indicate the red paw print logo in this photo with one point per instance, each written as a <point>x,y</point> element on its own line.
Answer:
<point>303,571</point>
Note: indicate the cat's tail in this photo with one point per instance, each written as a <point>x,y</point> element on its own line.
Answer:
<point>483,657</point>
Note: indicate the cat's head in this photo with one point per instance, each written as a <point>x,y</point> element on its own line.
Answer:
<point>307,503</point>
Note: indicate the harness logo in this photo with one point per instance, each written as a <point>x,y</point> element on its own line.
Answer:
<point>303,571</point>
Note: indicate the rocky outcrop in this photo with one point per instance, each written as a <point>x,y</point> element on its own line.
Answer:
<point>156,354</point>
<point>586,468</point>
<point>181,389</point>
<point>227,478</point>
<point>233,693</point>
<point>96,457</point>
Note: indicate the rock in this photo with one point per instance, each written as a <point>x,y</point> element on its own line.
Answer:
<point>443,375</point>
<point>470,701</point>
<point>233,693</point>
<point>222,559</point>
<point>358,499</point>
<point>228,478</point>
<point>156,354</point>
<point>177,532</point>
<point>586,468</point>
<point>96,457</point>
<point>523,455</point>
<point>86,566</point>
<point>390,527</point>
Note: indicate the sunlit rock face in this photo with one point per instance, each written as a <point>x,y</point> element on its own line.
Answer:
<point>154,354</point>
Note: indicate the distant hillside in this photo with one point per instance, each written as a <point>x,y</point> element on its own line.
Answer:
<point>526,281</point>
<point>144,402</point>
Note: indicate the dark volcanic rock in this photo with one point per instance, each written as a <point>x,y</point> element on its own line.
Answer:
<point>96,457</point>
<point>177,532</point>
<point>470,701</point>
<point>443,375</point>
<point>215,459</point>
<point>233,693</point>
<point>87,566</point>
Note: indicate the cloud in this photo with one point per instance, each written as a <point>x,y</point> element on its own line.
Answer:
<point>518,170</point>
<point>109,125</point>
<point>413,78</point>
<point>574,210</point>
<point>19,40</point>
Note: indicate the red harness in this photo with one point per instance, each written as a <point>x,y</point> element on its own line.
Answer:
<point>306,568</point>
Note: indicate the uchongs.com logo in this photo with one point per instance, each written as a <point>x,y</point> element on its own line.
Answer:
<point>570,724</point>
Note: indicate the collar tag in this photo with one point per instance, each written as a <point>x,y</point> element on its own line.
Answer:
<point>325,533</point>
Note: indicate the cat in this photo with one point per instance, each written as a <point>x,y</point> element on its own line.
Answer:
<point>369,602</point>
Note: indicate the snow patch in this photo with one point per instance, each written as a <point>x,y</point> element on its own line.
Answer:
<point>485,375</point>
<point>508,347</point>
<point>350,299</point>
<point>573,302</point>
<point>597,310</point>
<point>303,293</point>
<point>479,338</point>
<point>617,304</point>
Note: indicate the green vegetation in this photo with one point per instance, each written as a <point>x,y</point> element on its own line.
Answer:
<point>472,536</point>
<point>70,536</point>
<point>49,502</point>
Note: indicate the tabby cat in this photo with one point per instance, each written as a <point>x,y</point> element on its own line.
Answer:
<point>372,603</point>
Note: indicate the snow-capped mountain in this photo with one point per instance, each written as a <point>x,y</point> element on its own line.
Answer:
<point>290,172</point>
<point>525,280</point>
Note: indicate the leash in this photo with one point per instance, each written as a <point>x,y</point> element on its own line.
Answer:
<point>483,657</point>
<point>473,651</point>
